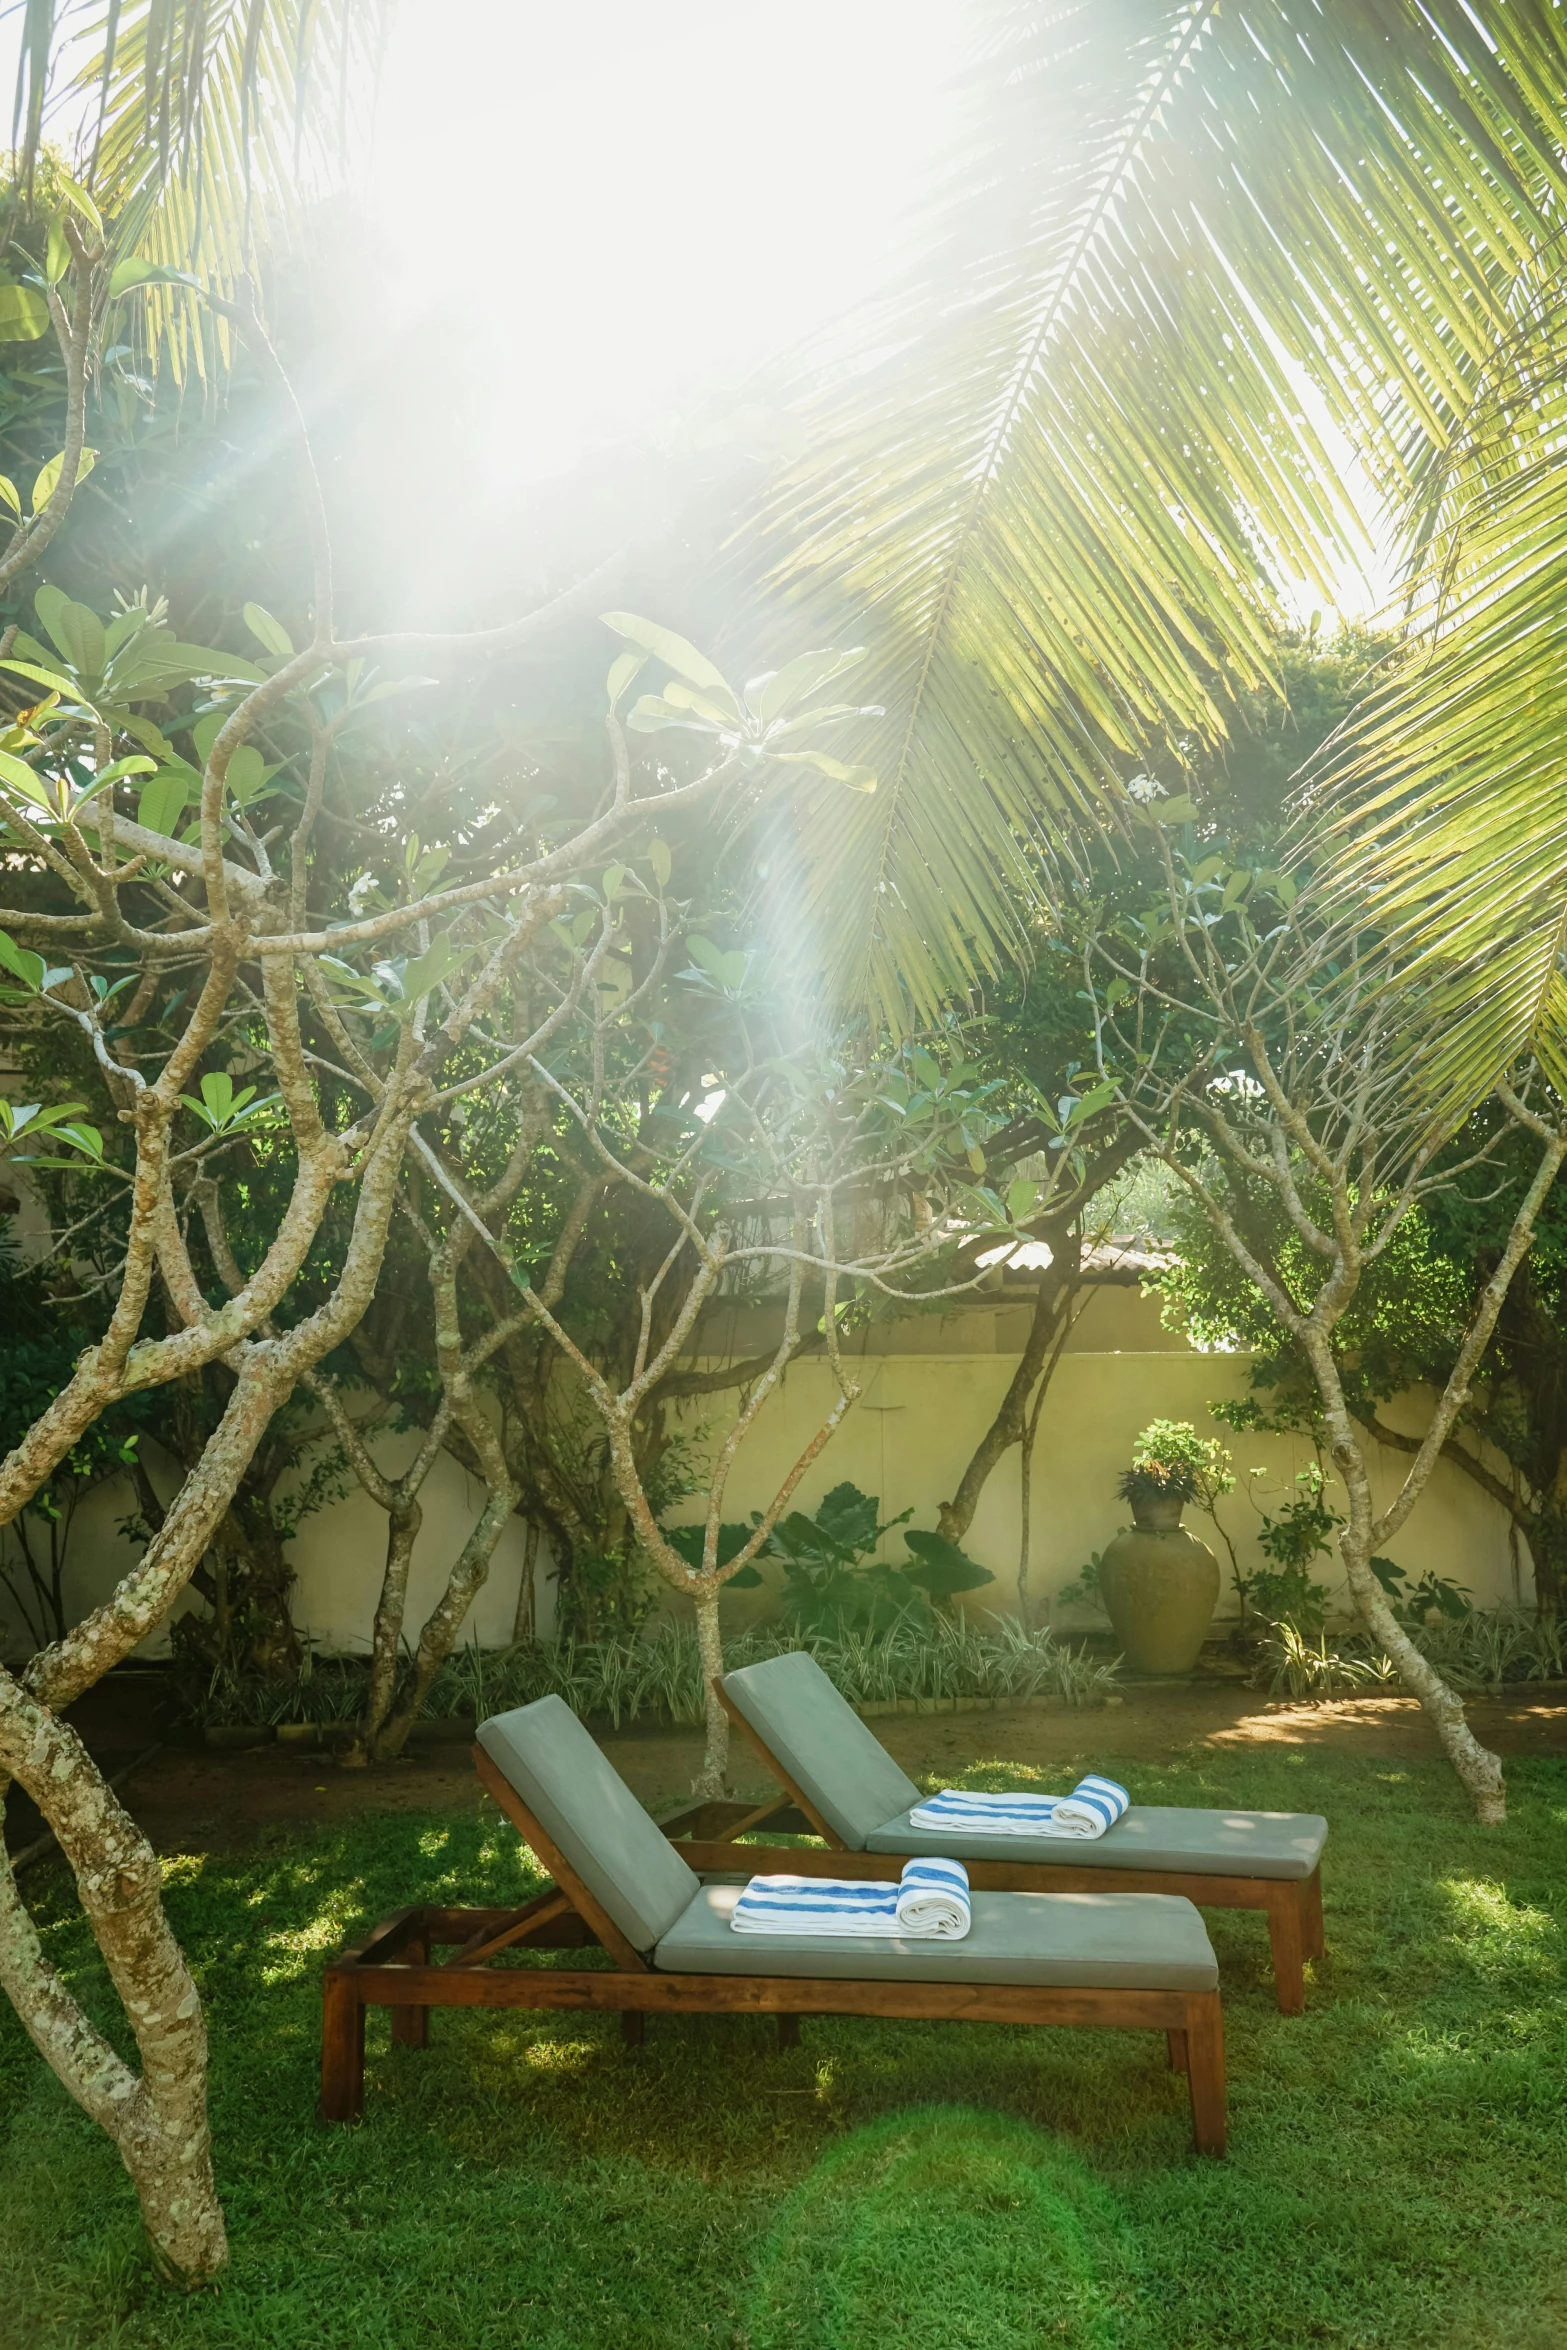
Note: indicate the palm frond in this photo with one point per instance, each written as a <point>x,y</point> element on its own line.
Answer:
<point>1444,809</point>
<point>1054,476</point>
<point>208,126</point>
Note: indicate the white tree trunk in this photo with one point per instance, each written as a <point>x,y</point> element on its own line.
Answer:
<point>1478,1769</point>
<point>158,2119</point>
<point>714,1774</point>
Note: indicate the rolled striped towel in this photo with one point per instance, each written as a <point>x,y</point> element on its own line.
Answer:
<point>930,1903</point>
<point>1094,1805</point>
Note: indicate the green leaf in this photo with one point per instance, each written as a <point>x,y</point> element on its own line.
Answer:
<point>164,800</point>
<point>622,670</point>
<point>49,476</point>
<point>51,679</point>
<point>122,767</point>
<point>79,201</point>
<point>248,775</point>
<point>221,1108</point>
<point>652,714</point>
<point>680,696</point>
<point>24,313</point>
<point>76,630</point>
<point>152,738</point>
<point>1179,808</point>
<point>659,858</point>
<point>269,632</point>
<point>22,962</point>
<point>21,778</point>
<point>439,960</point>
<point>806,674</point>
<point>9,495</point>
<point>941,1568</point>
<point>837,770</point>
<point>208,661</point>
<point>676,653</point>
<point>133,271</point>
<point>86,1139</point>
<point>58,253</point>
<point>1021,1196</point>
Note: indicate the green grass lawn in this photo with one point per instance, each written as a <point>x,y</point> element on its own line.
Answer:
<point>1398,2173</point>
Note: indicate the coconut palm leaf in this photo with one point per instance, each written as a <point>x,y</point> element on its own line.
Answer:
<point>205,126</point>
<point>1055,476</point>
<point>1443,809</point>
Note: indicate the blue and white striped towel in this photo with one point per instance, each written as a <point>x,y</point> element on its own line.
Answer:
<point>931,1901</point>
<point>1093,1806</point>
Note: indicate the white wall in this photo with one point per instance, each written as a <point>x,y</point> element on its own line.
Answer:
<point>920,1416</point>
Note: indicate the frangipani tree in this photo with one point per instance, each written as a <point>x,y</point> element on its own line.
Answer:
<point>1253,1051</point>
<point>802,1181</point>
<point>184,947</point>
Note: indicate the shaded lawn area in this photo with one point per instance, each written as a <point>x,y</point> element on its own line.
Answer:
<point>1398,2173</point>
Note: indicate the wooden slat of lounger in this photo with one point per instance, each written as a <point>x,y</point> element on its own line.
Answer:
<point>996,2003</point>
<point>722,1816</point>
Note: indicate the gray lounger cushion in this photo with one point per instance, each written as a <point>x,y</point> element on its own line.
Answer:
<point>1074,1941</point>
<point>823,1745</point>
<point>1149,1836</point>
<point>592,1817</point>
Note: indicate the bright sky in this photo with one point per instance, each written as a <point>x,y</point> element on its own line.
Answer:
<point>654,197</point>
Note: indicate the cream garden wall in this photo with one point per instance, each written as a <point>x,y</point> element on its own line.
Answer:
<point>923,1409</point>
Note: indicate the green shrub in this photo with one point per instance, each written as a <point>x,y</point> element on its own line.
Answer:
<point>833,1582</point>
<point>1477,1650</point>
<point>659,1675</point>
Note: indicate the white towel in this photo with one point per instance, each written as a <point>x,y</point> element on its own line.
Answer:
<point>931,1902</point>
<point>1093,1806</point>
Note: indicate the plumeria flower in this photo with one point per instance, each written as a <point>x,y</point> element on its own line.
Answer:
<point>1144,788</point>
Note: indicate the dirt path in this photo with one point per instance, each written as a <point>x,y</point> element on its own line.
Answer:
<point>218,1801</point>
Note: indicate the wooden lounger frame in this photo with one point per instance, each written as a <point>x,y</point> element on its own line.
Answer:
<point>396,1967</point>
<point>706,1834</point>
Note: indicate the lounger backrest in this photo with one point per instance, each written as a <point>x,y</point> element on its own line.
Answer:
<point>823,1745</point>
<point>592,1817</point>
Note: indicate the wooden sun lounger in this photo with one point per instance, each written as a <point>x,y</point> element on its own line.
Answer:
<point>706,1833</point>
<point>397,1966</point>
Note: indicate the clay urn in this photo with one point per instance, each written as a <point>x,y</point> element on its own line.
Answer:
<point>1160,1586</point>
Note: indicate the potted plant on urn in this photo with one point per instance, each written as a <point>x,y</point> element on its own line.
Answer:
<point>1158,1582</point>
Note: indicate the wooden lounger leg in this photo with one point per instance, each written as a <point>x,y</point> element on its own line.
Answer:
<point>1286,1933</point>
<point>411,2025</point>
<point>1205,2071</point>
<point>633,2026</point>
<point>342,2048</point>
<point>1311,1901</point>
<point>1178,2059</point>
<point>788,2030</point>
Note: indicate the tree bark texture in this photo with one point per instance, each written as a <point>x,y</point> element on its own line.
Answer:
<point>714,1775</point>
<point>157,2119</point>
<point>1052,1303</point>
